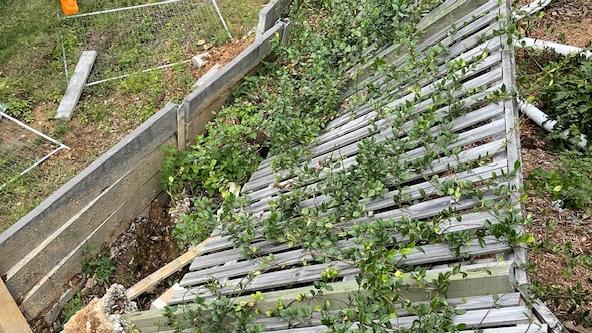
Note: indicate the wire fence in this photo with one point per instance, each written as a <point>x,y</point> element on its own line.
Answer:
<point>22,148</point>
<point>140,37</point>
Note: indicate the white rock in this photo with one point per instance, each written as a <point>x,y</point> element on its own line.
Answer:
<point>201,60</point>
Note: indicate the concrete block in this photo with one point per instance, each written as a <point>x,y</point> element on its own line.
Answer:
<point>76,84</point>
<point>201,60</point>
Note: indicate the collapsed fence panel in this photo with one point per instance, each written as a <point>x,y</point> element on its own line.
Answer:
<point>283,271</point>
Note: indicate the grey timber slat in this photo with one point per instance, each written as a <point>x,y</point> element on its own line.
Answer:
<point>348,162</point>
<point>468,303</point>
<point>482,320</point>
<point>438,165</point>
<point>467,222</point>
<point>425,255</point>
<point>494,273</point>
<point>75,86</point>
<point>414,191</point>
<point>512,136</point>
<point>270,178</point>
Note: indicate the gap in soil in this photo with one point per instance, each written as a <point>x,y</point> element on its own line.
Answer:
<point>143,248</point>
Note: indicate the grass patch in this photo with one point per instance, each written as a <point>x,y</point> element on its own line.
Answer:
<point>32,83</point>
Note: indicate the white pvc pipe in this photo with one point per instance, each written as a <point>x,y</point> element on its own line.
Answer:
<point>543,120</point>
<point>530,9</point>
<point>562,49</point>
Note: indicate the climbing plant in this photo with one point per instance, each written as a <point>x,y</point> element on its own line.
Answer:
<point>323,208</point>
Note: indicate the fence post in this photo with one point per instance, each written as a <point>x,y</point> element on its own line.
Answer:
<point>286,30</point>
<point>181,126</point>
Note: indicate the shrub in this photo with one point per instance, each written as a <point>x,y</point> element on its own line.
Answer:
<point>567,93</point>
<point>196,226</point>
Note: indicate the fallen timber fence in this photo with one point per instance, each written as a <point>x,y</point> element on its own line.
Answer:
<point>285,279</point>
<point>42,251</point>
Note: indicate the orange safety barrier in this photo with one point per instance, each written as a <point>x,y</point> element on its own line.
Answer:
<point>70,7</point>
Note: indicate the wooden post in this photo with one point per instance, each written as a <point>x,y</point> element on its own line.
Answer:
<point>174,266</point>
<point>181,125</point>
<point>11,318</point>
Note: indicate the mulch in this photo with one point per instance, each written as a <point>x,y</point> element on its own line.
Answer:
<point>557,226</point>
<point>564,21</point>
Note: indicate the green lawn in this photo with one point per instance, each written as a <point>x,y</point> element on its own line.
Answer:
<point>32,79</point>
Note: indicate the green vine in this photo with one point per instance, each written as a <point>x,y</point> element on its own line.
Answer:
<point>412,152</point>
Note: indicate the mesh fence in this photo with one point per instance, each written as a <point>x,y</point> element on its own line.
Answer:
<point>140,37</point>
<point>22,149</point>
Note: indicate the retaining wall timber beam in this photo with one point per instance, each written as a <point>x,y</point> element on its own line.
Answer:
<point>75,86</point>
<point>42,251</point>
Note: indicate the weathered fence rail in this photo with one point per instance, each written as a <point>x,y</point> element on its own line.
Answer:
<point>42,251</point>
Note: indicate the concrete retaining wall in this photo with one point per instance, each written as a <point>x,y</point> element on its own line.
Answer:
<point>41,252</point>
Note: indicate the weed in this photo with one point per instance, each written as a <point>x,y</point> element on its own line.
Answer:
<point>99,112</point>
<point>100,266</point>
<point>73,306</point>
<point>196,226</point>
<point>571,182</point>
<point>148,82</point>
<point>566,95</point>
<point>569,300</point>
<point>59,133</point>
<point>561,86</point>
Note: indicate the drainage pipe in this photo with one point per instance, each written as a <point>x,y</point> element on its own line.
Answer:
<point>562,49</point>
<point>543,120</point>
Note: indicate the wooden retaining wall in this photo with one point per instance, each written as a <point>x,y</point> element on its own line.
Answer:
<point>42,251</point>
